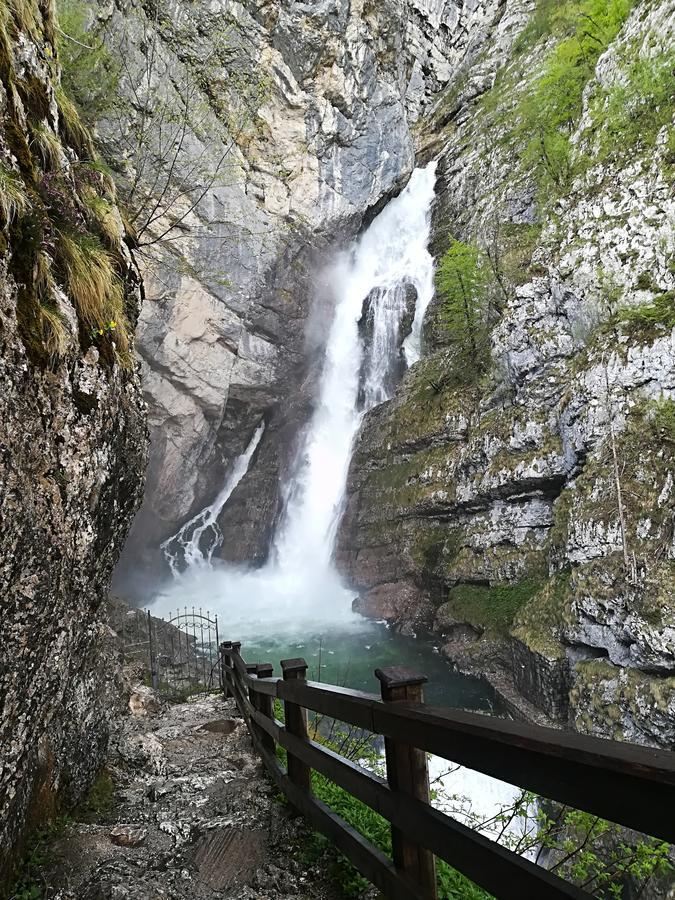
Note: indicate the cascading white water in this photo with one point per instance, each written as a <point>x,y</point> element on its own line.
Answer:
<point>391,255</point>
<point>300,585</point>
<point>198,539</point>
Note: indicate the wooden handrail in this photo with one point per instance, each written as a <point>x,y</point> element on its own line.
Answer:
<point>631,785</point>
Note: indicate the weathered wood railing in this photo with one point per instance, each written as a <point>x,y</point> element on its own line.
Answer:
<point>627,784</point>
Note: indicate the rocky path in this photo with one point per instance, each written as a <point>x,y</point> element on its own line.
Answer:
<point>193,816</point>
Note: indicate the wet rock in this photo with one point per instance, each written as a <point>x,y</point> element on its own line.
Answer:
<point>212,829</point>
<point>128,835</point>
<point>144,701</point>
<point>72,457</point>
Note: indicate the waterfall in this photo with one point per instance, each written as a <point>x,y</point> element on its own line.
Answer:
<point>391,256</point>
<point>198,539</point>
<point>374,285</point>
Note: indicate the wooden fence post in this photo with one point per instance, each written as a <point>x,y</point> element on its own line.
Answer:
<point>407,772</point>
<point>225,649</point>
<point>296,723</point>
<point>265,705</point>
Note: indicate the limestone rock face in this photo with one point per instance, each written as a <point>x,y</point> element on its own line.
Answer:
<point>72,456</point>
<point>304,116</point>
<point>545,487</point>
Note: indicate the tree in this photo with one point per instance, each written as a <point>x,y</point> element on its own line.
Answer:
<point>464,282</point>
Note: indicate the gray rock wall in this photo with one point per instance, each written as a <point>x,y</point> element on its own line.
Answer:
<point>502,494</point>
<point>312,106</point>
<point>72,453</point>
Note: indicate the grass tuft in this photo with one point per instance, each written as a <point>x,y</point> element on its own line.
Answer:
<point>13,199</point>
<point>73,131</point>
<point>94,286</point>
<point>48,147</point>
<point>55,334</point>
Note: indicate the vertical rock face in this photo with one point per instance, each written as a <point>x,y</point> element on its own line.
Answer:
<point>304,115</point>
<point>536,502</point>
<point>72,435</point>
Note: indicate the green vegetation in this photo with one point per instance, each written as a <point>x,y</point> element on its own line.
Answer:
<point>491,607</point>
<point>541,618</point>
<point>661,415</point>
<point>13,198</point>
<point>89,272</point>
<point>658,313</point>
<point>452,885</point>
<point>27,884</point>
<point>99,800</point>
<point>629,115</point>
<point>90,74</point>
<point>463,279</point>
<point>548,108</point>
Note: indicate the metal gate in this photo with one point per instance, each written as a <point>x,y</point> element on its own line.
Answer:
<point>179,654</point>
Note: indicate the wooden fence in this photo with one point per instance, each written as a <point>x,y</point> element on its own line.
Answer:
<point>627,784</point>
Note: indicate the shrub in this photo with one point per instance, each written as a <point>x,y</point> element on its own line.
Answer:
<point>549,106</point>
<point>90,74</point>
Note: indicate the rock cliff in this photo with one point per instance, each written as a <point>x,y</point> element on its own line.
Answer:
<point>293,122</point>
<point>533,504</point>
<point>72,432</point>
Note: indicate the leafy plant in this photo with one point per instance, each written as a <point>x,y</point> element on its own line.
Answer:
<point>90,73</point>
<point>548,107</point>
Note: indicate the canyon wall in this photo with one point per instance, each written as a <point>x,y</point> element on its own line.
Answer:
<point>294,125</point>
<point>72,434</point>
<point>527,514</point>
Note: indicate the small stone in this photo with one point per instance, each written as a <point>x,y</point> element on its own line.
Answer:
<point>128,835</point>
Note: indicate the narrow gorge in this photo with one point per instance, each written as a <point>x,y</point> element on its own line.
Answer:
<point>352,323</point>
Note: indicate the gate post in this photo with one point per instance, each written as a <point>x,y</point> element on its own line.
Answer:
<point>296,723</point>
<point>265,705</point>
<point>225,660</point>
<point>407,772</point>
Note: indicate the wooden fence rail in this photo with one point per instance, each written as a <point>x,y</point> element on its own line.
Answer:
<point>627,784</point>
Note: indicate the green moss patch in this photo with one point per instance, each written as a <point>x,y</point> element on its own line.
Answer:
<point>490,607</point>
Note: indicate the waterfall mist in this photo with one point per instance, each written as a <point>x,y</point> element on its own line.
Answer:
<point>299,589</point>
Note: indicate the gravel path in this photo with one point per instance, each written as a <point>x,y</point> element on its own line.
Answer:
<point>193,816</point>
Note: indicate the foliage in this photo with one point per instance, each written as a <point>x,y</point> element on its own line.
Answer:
<point>99,800</point>
<point>551,108</point>
<point>46,143</point>
<point>548,107</point>
<point>657,313</point>
<point>376,829</point>
<point>630,114</point>
<point>463,279</point>
<point>72,129</point>
<point>492,607</point>
<point>27,884</point>
<point>54,331</point>
<point>661,414</point>
<point>90,74</point>
<point>13,199</point>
